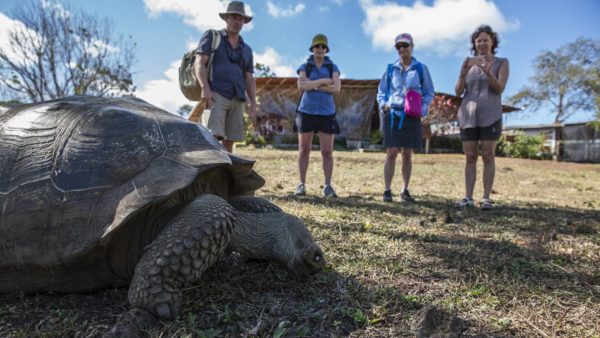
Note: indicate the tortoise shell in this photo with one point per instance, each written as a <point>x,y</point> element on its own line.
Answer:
<point>75,170</point>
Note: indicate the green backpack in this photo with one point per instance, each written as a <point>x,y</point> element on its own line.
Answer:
<point>189,85</point>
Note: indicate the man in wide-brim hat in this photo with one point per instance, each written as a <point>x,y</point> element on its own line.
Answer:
<point>224,92</point>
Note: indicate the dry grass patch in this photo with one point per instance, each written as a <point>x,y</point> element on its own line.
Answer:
<point>527,268</point>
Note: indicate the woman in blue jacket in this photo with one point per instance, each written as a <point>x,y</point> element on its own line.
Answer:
<point>402,130</point>
<point>318,79</point>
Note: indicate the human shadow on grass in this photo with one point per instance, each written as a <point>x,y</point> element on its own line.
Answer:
<point>464,257</point>
<point>366,203</point>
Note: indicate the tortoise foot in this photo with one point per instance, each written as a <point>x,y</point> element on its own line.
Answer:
<point>135,323</point>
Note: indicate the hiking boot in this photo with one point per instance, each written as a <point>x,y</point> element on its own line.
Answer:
<point>387,196</point>
<point>486,204</point>
<point>465,203</point>
<point>328,192</point>
<point>406,197</point>
<point>300,190</point>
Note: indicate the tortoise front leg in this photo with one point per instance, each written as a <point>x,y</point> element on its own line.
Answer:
<point>190,243</point>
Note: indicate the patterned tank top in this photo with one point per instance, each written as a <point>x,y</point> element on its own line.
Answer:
<point>481,106</point>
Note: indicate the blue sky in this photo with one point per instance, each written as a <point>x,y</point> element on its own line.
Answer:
<point>360,35</point>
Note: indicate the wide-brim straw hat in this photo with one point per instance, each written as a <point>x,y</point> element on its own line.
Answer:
<point>236,7</point>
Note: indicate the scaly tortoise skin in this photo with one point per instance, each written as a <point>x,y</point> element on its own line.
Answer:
<point>110,192</point>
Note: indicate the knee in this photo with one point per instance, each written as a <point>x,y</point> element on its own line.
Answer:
<point>327,153</point>
<point>471,157</point>
<point>487,156</point>
<point>406,156</point>
<point>391,156</point>
<point>304,151</point>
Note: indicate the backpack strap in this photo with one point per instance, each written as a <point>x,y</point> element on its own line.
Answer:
<point>216,41</point>
<point>330,69</point>
<point>308,69</point>
<point>419,68</point>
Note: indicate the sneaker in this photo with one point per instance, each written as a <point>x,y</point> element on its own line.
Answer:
<point>486,204</point>
<point>406,197</point>
<point>387,196</point>
<point>328,192</point>
<point>300,190</point>
<point>465,202</point>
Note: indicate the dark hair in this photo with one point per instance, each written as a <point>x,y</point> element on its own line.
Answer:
<point>484,29</point>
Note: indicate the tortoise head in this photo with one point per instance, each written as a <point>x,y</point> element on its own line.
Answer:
<point>280,237</point>
<point>303,256</point>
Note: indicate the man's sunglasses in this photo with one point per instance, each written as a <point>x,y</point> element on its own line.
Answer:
<point>402,45</point>
<point>320,45</point>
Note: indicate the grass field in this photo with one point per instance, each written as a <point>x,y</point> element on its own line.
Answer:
<point>530,267</point>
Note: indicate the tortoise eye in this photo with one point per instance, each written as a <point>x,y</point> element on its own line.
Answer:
<point>317,258</point>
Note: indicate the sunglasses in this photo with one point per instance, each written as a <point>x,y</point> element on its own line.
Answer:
<point>320,45</point>
<point>402,45</point>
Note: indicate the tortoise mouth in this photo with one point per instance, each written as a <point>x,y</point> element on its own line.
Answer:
<point>311,263</point>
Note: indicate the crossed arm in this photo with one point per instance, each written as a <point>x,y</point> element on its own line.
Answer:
<point>327,85</point>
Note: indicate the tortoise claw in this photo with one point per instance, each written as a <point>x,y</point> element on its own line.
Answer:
<point>135,323</point>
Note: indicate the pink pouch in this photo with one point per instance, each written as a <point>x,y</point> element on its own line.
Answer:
<point>413,103</point>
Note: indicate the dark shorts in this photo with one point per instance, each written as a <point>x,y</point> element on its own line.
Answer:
<point>409,136</point>
<point>482,133</point>
<point>306,123</point>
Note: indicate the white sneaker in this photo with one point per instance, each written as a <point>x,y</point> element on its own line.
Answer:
<point>300,190</point>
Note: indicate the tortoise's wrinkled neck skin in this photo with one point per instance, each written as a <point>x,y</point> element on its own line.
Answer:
<point>280,237</point>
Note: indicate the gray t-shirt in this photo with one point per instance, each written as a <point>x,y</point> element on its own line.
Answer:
<point>481,106</point>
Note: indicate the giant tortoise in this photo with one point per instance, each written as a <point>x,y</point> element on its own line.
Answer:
<point>109,192</point>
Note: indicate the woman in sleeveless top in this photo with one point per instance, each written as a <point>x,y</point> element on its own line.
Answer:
<point>481,82</point>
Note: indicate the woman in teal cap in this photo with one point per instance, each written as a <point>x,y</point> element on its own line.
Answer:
<point>318,79</point>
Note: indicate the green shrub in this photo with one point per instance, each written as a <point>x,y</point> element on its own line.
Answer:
<point>446,142</point>
<point>251,136</point>
<point>377,137</point>
<point>526,146</point>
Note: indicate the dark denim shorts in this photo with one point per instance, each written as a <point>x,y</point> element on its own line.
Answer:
<point>306,123</point>
<point>488,133</point>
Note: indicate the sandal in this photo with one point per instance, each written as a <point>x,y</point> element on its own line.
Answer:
<point>465,202</point>
<point>486,204</point>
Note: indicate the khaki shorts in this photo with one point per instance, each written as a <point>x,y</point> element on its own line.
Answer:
<point>225,119</point>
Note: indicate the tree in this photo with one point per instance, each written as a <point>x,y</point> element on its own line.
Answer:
<point>264,70</point>
<point>593,86</point>
<point>54,51</point>
<point>562,80</point>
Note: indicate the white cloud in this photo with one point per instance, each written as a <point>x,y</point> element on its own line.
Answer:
<point>276,62</point>
<point>338,2</point>
<point>444,27</point>
<point>277,11</point>
<point>165,93</point>
<point>200,14</point>
<point>8,26</point>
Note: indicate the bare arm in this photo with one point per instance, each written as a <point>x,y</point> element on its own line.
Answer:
<point>305,84</point>
<point>202,76</point>
<point>251,91</point>
<point>333,88</point>
<point>498,84</point>
<point>460,83</point>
